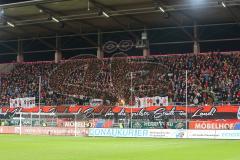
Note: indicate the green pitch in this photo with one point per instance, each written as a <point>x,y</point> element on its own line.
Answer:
<point>13,147</point>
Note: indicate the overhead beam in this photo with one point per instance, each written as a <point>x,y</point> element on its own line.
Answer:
<point>9,29</point>
<point>9,47</point>
<point>94,2</point>
<point>99,5</point>
<point>234,16</point>
<point>60,14</point>
<point>90,24</point>
<point>5,30</point>
<point>46,43</point>
<point>23,31</point>
<point>54,31</point>
<point>176,21</point>
<point>124,27</point>
<point>72,28</point>
<point>28,3</point>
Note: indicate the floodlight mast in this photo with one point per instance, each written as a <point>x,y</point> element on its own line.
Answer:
<point>20,123</point>
<point>39,99</point>
<point>75,124</point>
<point>186,75</point>
<point>131,98</point>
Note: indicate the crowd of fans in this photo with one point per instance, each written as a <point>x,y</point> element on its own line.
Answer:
<point>24,81</point>
<point>210,78</point>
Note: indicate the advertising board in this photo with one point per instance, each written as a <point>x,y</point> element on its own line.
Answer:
<point>53,131</point>
<point>220,124</point>
<point>115,132</point>
<point>165,133</point>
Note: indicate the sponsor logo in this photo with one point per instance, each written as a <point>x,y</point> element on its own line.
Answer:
<point>213,124</point>
<point>119,132</point>
<point>231,134</point>
<point>180,134</point>
<point>160,133</point>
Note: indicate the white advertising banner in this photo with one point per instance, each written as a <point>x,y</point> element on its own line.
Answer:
<point>53,131</point>
<point>228,134</point>
<point>27,102</point>
<point>151,101</point>
<point>165,133</point>
<point>205,134</point>
<point>117,132</point>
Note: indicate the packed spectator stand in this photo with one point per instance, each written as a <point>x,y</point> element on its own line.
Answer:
<point>212,78</point>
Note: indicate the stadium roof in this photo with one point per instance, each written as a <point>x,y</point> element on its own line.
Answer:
<point>38,17</point>
<point>217,20</point>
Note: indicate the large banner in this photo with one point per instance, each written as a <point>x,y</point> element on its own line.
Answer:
<point>27,102</point>
<point>153,113</point>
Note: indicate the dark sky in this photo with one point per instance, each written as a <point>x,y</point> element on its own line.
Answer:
<point>11,1</point>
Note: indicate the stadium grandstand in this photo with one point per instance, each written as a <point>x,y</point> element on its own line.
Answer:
<point>121,68</point>
<point>156,40</point>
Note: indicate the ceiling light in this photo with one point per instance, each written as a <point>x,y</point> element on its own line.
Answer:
<point>1,12</point>
<point>161,9</point>
<point>88,5</point>
<point>55,19</point>
<point>10,24</point>
<point>223,4</point>
<point>105,14</point>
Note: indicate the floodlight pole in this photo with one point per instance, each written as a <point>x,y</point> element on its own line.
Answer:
<point>186,98</point>
<point>196,45</point>
<point>75,124</point>
<point>39,99</point>
<point>20,123</point>
<point>131,98</point>
<point>31,120</point>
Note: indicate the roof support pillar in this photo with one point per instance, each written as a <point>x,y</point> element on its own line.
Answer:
<point>196,45</point>
<point>20,57</point>
<point>146,50</point>
<point>58,52</point>
<point>100,53</point>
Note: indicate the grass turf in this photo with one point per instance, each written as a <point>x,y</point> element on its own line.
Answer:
<point>14,147</point>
